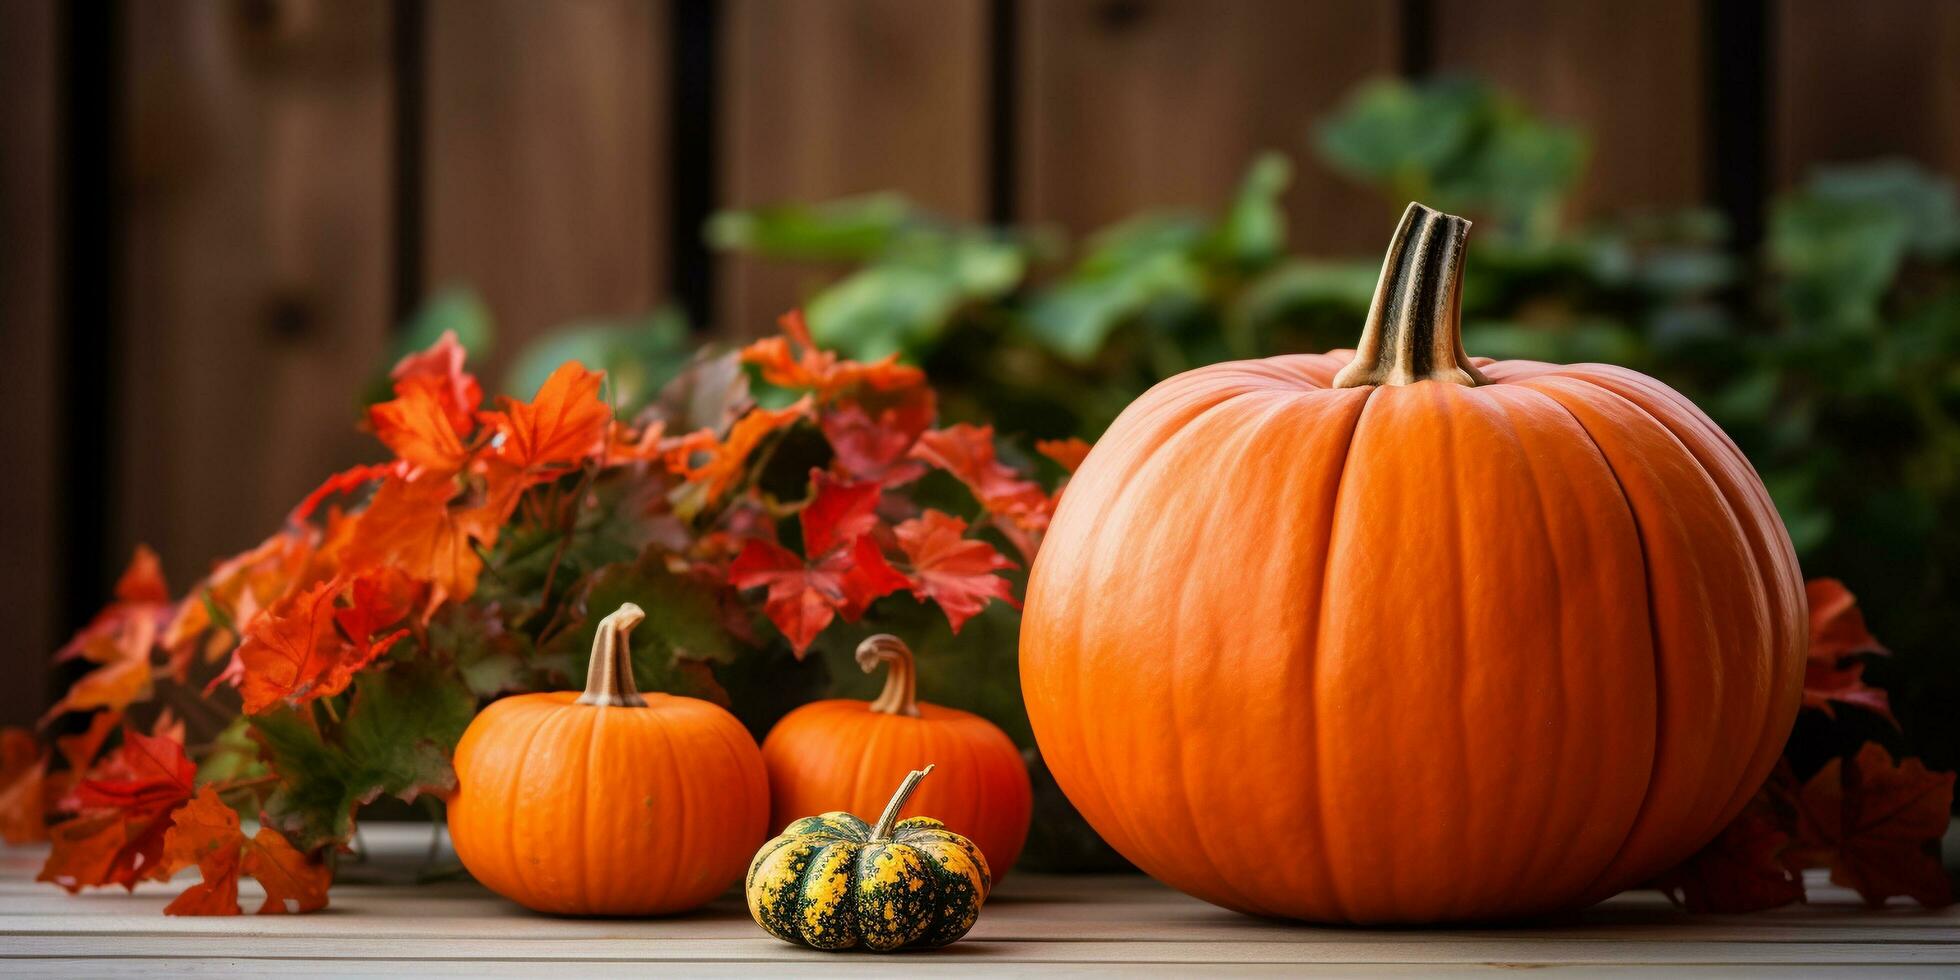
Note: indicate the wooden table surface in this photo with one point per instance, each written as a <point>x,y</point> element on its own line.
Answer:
<point>382,922</point>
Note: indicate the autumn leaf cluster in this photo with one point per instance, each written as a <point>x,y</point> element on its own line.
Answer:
<point>347,651</point>
<point>1874,821</point>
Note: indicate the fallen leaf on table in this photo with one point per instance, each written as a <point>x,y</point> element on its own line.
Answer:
<point>1876,824</point>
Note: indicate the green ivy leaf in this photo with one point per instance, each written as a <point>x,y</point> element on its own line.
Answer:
<point>402,724</point>
<point>683,633</point>
<point>849,229</point>
<point>1253,231</point>
<point>639,356</point>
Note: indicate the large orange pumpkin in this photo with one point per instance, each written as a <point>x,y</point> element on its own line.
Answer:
<point>608,802</point>
<point>1397,635</point>
<point>846,755</point>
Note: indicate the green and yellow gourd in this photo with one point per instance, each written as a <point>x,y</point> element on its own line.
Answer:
<point>833,882</point>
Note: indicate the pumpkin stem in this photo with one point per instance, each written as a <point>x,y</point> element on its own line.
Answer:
<point>1414,330</point>
<point>901,694</point>
<point>609,678</point>
<point>886,820</point>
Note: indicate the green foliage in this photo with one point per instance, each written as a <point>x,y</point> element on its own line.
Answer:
<point>1461,146</point>
<point>684,630</point>
<point>639,356</point>
<point>401,726</point>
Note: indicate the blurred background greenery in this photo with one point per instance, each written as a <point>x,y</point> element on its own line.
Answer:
<point>1831,354</point>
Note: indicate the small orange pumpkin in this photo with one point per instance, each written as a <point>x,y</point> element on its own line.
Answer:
<point>608,802</point>
<point>1436,638</point>
<point>843,754</point>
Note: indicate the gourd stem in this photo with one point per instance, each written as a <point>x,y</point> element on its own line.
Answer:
<point>1414,330</point>
<point>609,678</point>
<point>901,694</point>
<point>886,820</point>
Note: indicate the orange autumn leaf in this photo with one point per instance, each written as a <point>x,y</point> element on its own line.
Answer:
<point>353,478</point>
<point>565,424</point>
<point>206,833</point>
<point>80,749</point>
<point>793,360</point>
<point>1876,824</point>
<point>306,646</point>
<point>951,569</point>
<point>242,585</point>
<point>1838,634</point>
<point>23,799</point>
<point>142,581</point>
<point>125,805</point>
<point>417,527</point>
<point>1068,452</point>
<point>120,641</point>
<point>418,431</point>
<point>726,460</point>
<point>625,444</point>
<point>439,371</point>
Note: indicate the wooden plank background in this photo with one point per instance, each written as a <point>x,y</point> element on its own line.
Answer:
<point>213,212</point>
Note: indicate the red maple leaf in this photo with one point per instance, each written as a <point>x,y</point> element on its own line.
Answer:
<point>951,569</point>
<point>307,646</point>
<point>205,832</point>
<point>1877,826</point>
<point>439,371</point>
<point>1740,870</point>
<point>843,574</point>
<point>120,640</point>
<point>967,452</point>
<point>872,439</point>
<point>1838,634</point>
<point>125,805</point>
<point>793,360</point>
<point>565,425</point>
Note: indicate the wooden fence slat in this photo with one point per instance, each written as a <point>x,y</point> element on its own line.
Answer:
<point>544,160</point>
<point>256,205</point>
<point>1141,103</point>
<point>1630,75</point>
<point>824,100</point>
<point>29,286</point>
<point>1865,80</point>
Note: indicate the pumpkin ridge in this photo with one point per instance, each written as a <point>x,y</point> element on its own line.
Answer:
<point>585,811</point>
<point>1618,874</point>
<point>1764,539</point>
<point>835,928</point>
<point>1444,408</point>
<point>1557,854</point>
<point>1653,625</point>
<point>1315,687</point>
<point>1196,428</point>
<point>1243,433</point>
<point>516,783</point>
<point>1166,433</point>
<point>677,809</point>
<point>1752,567</point>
